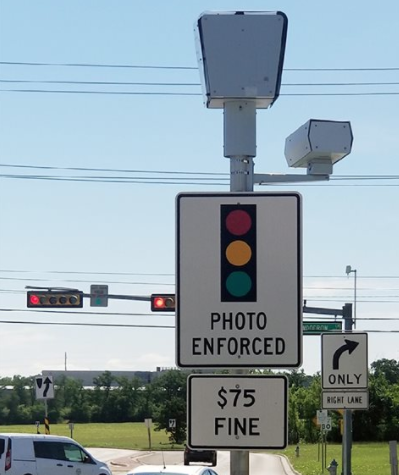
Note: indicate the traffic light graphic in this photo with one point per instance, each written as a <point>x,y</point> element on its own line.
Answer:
<point>238,253</point>
<point>163,302</point>
<point>55,299</point>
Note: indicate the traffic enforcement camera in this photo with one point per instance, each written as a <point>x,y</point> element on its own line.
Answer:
<point>163,302</point>
<point>55,299</point>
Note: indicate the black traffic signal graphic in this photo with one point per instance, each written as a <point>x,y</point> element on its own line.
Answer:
<point>238,253</point>
<point>55,299</point>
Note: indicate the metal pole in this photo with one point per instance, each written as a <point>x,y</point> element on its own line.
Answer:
<point>347,416</point>
<point>355,298</point>
<point>46,421</point>
<point>240,147</point>
<point>393,456</point>
<point>325,449</point>
<point>149,437</point>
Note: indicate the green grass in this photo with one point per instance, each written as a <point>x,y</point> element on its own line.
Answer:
<point>128,435</point>
<point>367,458</point>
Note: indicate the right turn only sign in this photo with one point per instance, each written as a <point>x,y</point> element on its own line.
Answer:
<point>344,361</point>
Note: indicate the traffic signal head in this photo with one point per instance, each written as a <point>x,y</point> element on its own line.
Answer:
<point>163,302</point>
<point>238,253</point>
<point>55,299</point>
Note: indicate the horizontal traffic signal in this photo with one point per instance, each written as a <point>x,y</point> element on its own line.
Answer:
<point>163,302</point>
<point>55,299</point>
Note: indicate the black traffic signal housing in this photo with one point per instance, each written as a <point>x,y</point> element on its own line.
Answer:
<point>55,299</point>
<point>238,253</point>
<point>163,302</point>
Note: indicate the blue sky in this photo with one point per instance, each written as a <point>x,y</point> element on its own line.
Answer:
<point>76,233</point>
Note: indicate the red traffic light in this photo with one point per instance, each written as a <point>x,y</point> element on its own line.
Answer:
<point>34,299</point>
<point>55,299</point>
<point>163,302</point>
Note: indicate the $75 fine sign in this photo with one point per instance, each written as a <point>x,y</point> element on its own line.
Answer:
<point>237,411</point>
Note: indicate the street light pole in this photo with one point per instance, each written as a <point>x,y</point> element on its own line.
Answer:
<point>348,271</point>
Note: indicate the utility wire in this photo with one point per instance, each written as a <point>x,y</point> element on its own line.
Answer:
<point>173,181</point>
<point>165,93</point>
<point>75,324</point>
<point>172,274</point>
<point>82,312</point>
<point>127,325</point>
<point>28,279</point>
<point>174,84</point>
<point>142,66</point>
<point>175,172</point>
<point>116,170</point>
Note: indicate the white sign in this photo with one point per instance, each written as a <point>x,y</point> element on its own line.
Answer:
<point>344,361</point>
<point>326,425</point>
<point>321,416</point>
<point>346,400</point>
<point>44,387</point>
<point>172,423</point>
<point>237,412</point>
<point>239,280</point>
<point>147,423</point>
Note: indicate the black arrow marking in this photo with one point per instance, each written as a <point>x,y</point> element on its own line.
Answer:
<point>47,382</point>
<point>349,346</point>
<point>39,382</point>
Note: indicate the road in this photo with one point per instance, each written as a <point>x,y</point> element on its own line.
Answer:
<point>121,461</point>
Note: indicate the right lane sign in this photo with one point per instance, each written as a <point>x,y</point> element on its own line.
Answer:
<point>344,361</point>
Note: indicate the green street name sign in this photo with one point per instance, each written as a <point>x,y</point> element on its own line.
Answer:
<point>317,328</point>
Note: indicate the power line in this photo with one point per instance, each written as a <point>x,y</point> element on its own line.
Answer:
<point>28,279</point>
<point>175,172</point>
<point>136,181</point>
<point>93,273</point>
<point>142,66</point>
<point>116,170</point>
<point>171,274</point>
<point>197,84</point>
<point>79,324</point>
<point>81,312</point>
<point>127,325</point>
<point>175,177</point>
<point>166,93</point>
<point>94,65</point>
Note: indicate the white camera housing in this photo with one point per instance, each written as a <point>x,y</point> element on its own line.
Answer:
<point>318,145</point>
<point>240,56</point>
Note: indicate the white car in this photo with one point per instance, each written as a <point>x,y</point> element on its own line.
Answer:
<point>34,454</point>
<point>172,470</point>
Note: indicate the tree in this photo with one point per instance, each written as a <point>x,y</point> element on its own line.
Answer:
<point>127,399</point>
<point>169,399</point>
<point>388,368</point>
<point>102,397</point>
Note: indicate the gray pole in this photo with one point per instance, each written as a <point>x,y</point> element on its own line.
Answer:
<point>347,436</point>
<point>240,147</point>
<point>393,456</point>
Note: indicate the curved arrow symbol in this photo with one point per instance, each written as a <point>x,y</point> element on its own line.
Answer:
<point>349,346</point>
<point>47,382</point>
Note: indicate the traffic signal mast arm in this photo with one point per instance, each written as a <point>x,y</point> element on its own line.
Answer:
<point>323,311</point>
<point>146,298</point>
<point>345,312</point>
